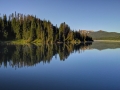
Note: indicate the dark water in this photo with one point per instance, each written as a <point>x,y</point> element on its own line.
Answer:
<point>90,66</point>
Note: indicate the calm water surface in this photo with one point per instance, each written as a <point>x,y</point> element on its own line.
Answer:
<point>93,66</point>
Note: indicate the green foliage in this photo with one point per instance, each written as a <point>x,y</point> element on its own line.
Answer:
<point>30,28</point>
<point>18,31</point>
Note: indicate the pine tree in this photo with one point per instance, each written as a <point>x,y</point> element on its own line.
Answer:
<point>1,28</point>
<point>39,31</point>
<point>17,30</point>
<point>25,29</point>
<point>4,27</point>
<point>32,31</point>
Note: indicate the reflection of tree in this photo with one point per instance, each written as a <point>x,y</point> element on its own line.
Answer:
<point>28,55</point>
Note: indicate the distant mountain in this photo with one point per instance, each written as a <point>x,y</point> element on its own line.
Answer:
<point>103,35</point>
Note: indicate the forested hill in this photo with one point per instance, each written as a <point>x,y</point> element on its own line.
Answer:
<point>30,28</point>
<point>103,35</point>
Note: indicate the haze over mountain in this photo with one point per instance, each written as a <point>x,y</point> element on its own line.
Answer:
<point>104,35</point>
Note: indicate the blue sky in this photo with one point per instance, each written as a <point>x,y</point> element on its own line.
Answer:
<point>78,14</point>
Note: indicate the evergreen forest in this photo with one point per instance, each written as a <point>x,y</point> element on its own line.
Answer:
<point>29,28</point>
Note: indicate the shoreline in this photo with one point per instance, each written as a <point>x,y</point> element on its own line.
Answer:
<point>23,42</point>
<point>106,40</point>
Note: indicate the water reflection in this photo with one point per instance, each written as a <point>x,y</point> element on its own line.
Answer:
<point>102,45</point>
<point>89,70</point>
<point>29,55</point>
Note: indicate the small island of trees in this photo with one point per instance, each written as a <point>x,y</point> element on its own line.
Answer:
<point>32,29</point>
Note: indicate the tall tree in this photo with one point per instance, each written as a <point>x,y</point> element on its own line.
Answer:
<point>33,30</point>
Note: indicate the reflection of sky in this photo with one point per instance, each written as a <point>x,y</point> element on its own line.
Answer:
<point>91,69</point>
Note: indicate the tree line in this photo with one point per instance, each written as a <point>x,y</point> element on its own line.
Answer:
<point>31,54</point>
<point>17,26</point>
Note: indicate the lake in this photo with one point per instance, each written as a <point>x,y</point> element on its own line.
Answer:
<point>85,66</point>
